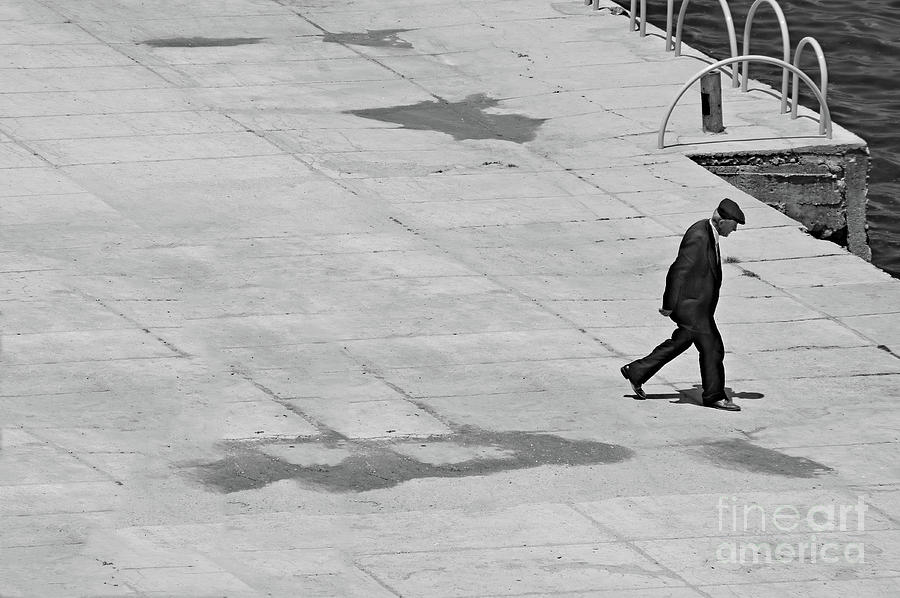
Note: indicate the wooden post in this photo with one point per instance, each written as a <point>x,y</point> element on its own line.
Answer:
<point>711,102</point>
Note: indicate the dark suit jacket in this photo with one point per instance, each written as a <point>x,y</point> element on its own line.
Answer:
<point>694,279</point>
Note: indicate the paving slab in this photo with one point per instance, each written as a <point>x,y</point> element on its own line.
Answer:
<point>697,561</point>
<point>878,326</point>
<point>814,271</point>
<point>153,147</point>
<point>494,184</point>
<point>860,587</point>
<point>316,573</point>
<point>210,26</point>
<point>54,498</point>
<point>478,347</point>
<point>514,570</point>
<point>125,100</point>
<point>372,418</point>
<point>35,181</point>
<point>88,11</point>
<point>734,515</point>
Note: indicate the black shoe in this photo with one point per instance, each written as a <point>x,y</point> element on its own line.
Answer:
<point>725,405</point>
<point>641,395</point>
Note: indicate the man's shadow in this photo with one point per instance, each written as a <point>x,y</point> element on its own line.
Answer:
<point>694,395</point>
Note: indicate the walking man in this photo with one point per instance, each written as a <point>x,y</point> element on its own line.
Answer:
<point>690,298</point>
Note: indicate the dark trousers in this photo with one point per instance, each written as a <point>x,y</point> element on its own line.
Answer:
<point>712,352</point>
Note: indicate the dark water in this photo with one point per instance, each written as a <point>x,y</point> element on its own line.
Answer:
<point>861,41</point>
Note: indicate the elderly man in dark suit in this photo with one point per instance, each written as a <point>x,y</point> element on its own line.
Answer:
<point>690,298</point>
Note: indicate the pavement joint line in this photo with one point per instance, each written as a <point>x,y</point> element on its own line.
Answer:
<point>85,90</point>
<point>835,319</point>
<point>160,160</point>
<point>369,368</point>
<point>78,67</point>
<point>129,135</point>
<point>178,352</point>
<point>518,171</point>
<point>624,540</point>
<point>274,84</point>
<point>54,513</point>
<point>8,331</point>
<point>169,160</point>
<point>545,222</point>
<point>463,200</point>
<point>574,593</point>
<point>512,331</point>
<point>464,549</point>
<point>635,548</point>
<point>795,581</point>
<point>71,20</point>
<point>722,323</point>
<point>100,360</point>
<point>376,578</point>
<point>107,481</point>
<point>821,376</point>
<point>321,429</point>
<point>335,341</point>
<point>805,347</point>
<point>483,394</point>
<point>804,446</point>
<point>337,253</point>
<point>232,316</point>
<point>841,255</point>
<point>179,65</point>
<point>42,545</point>
<point>189,568</point>
<point>41,195</point>
<point>196,109</point>
<point>129,300</point>
<point>699,444</point>
<point>500,362</point>
<point>55,394</point>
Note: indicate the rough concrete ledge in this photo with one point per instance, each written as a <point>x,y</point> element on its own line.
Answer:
<point>824,187</point>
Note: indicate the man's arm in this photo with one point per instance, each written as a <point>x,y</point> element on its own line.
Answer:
<point>692,246</point>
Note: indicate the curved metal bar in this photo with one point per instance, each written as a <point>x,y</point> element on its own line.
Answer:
<point>670,11</point>
<point>729,23</point>
<point>643,18</point>
<point>823,70</point>
<point>824,114</point>
<point>632,17</point>
<point>785,43</point>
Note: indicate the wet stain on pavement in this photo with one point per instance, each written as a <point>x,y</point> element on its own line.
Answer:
<point>746,456</point>
<point>374,464</point>
<point>202,42</point>
<point>378,38</point>
<point>465,119</point>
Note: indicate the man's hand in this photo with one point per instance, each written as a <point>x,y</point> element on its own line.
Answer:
<point>666,312</point>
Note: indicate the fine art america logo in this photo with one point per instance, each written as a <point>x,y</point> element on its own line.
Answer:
<point>802,523</point>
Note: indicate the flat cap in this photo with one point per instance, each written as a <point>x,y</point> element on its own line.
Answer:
<point>731,211</point>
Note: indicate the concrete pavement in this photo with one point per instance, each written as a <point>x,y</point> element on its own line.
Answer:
<point>314,299</point>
